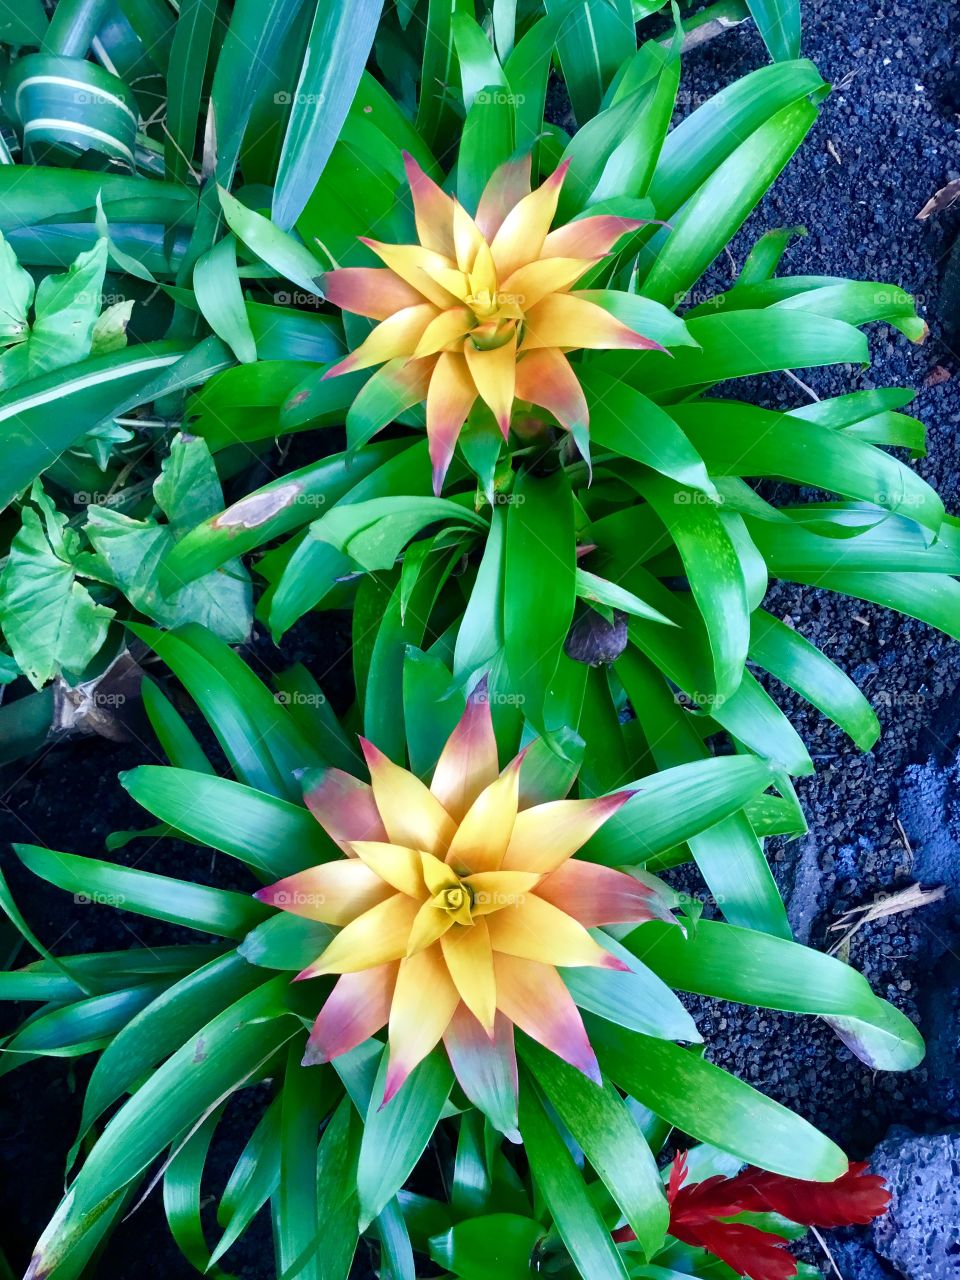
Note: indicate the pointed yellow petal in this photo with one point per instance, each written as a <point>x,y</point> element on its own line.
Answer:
<point>493,890</point>
<point>535,998</point>
<point>545,378</point>
<point>377,936</point>
<point>523,231</point>
<point>588,237</point>
<point>343,805</point>
<point>507,187</point>
<point>424,1001</point>
<point>396,336</point>
<point>334,893</point>
<point>417,266</point>
<point>529,284</point>
<point>564,320</point>
<point>450,397</point>
<point>466,238</point>
<point>468,762</point>
<point>430,924</point>
<point>436,874</point>
<point>369,291</point>
<point>484,833</point>
<point>398,866</point>
<point>432,209</point>
<point>446,328</point>
<point>469,958</point>
<point>536,930</point>
<point>494,374</point>
<point>546,835</point>
<point>411,813</point>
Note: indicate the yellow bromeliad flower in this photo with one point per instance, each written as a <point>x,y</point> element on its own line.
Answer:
<point>484,306</point>
<point>455,904</point>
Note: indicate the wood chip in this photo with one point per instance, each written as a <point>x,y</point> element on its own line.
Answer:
<point>890,904</point>
<point>940,200</point>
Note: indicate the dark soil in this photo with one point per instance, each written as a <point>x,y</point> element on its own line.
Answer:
<point>885,142</point>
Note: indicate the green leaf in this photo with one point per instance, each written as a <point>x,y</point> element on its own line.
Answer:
<point>561,1184</point>
<point>629,423</point>
<point>288,256</point>
<point>272,836</point>
<point>787,655</point>
<point>43,417</point>
<point>601,1124</point>
<point>51,622</point>
<point>540,566</point>
<point>110,330</point>
<point>16,295</point>
<point>395,1136</point>
<point>713,571</point>
<point>197,906</point>
<point>494,1246</point>
<point>374,533</point>
<point>186,490</point>
<point>593,39</point>
<point>337,49</point>
<point>304,1102</point>
<point>635,999</point>
<point>707,1103</point>
<point>779,24</point>
<point>279,507</point>
<point>216,283</point>
<point>252,1182</point>
<point>728,853</point>
<point>752,968</point>
<point>66,309</point>
<point>285,941</point>
<point>209,1066</point>
<point>158,1030</point>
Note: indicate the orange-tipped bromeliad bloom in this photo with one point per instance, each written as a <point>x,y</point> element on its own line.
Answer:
<point>484,306</point>
<point>455,906</point>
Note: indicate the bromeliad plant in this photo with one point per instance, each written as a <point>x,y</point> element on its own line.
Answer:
<point>598,558</point>
<point>182,1029</point>
<point>456,904</point>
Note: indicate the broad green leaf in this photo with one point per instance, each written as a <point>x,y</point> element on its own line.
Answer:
<point>561,1184</point>
<point>635,999</point>
<point>196,906</point>
<point>709,1104</point>
<point>219,296</point>
<point>43,417</point>
<point>779,24</point>
<point>337,49</point>
<point>395,1136</point>
<point>629,423</point>
<point>374,533</point>
<point>160,1029</point>
<point>51,622</point>
<point>66,309</point>
<point>787,655</point>
<point>272,836</point>
<point>285,941</point>
<point>593,39</point>
<point>752,968</point>
<point>208,1067</point>
<point>186,490</point>
<point>671,806</point>
<point>541,568</point>
<point>288,256</point>
<point>601,1124</point>
<point>489,1247</point>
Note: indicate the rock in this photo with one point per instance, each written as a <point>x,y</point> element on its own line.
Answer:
<point>920,1236</point>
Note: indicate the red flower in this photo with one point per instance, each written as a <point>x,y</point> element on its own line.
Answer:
<point>697,1213</point>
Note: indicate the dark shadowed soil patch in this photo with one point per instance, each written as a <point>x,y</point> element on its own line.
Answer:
<point>885,141</point>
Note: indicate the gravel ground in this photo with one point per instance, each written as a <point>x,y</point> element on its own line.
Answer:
<point>886,140</point>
